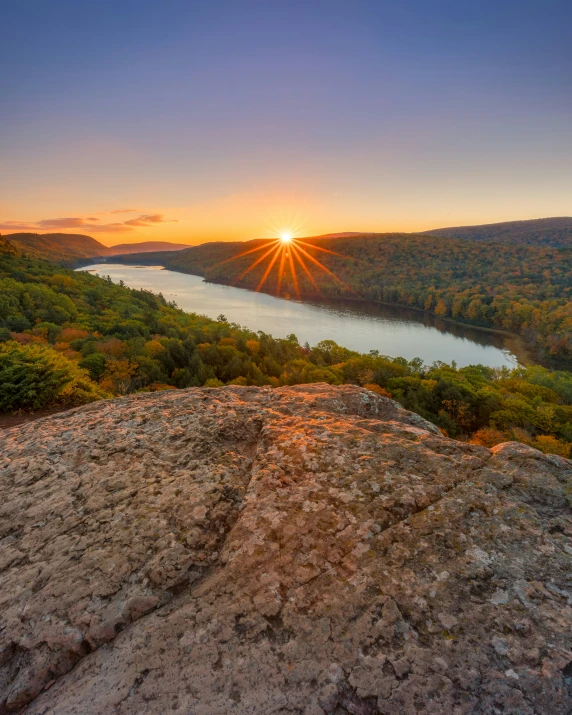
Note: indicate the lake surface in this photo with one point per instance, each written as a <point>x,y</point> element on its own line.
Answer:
<point>392,330</point>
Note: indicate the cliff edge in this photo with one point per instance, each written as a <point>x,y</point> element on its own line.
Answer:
<point>309,550</point>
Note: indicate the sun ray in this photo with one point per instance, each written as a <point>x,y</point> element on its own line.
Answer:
<point>286,222</point>
<point>245,253</point>
<point>281,270</point>
<point>306,270</point>
<point>319,248</point>
<point>323,267</point>
<point>269,268</point>
<point>293,272</point>
<point>253,265</point>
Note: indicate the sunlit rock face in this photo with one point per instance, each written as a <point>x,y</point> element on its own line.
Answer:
<point>312,549</point>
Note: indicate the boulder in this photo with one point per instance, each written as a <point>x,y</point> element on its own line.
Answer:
<point>309,549</point>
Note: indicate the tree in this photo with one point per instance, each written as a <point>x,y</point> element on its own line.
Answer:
<point>441,307</point>
<point>35,376</point>
<point>95,365</point>
<point>117,377</point>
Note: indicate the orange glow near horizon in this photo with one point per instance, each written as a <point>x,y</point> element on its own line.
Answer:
<point>244,216</point>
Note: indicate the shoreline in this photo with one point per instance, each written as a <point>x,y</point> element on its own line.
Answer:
<point>525,355</point>
<point>515,342</point>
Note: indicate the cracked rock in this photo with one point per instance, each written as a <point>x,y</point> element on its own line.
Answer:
<point>309,549</point>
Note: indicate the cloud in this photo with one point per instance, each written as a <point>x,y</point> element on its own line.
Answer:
<point>147,220</point>
<point>86,224</point>
<point>76,222</point>
<point>123,211</point>
<point>16,226</point>
<point>59,224</point>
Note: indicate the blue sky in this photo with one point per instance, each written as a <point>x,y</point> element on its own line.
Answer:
<point>230,120</point>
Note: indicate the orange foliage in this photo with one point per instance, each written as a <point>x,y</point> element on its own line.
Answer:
<point>67,351</point>
<point>154,347</point>
<point>113,347</point>
<point>159,386</point>
<point>488,437</point>
<point>26,338</point>
<point>117,377</point>
<point>548,443</point>
<point>69,334</point>
<point>253,346</point>
<point>441,307</point>
<point>372,387</point>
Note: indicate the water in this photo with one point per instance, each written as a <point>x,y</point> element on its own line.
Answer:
<point>392,330</point>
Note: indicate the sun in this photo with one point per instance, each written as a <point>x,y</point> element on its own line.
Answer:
<point>285,252</point>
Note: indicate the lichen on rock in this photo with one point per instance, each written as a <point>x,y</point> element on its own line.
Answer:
<point>309,549</point>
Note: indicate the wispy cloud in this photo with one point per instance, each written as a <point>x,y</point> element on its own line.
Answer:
<point>60,224</point>
<point>123,211</point>
<point>147,220</point>
<point>51,223</point>
<point>87,224</point>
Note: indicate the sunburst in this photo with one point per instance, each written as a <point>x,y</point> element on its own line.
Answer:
<point>285,254</point>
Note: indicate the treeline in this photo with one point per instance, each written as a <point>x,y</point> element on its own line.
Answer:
<point>536,232</point>
<point>521,289</point>
<point>69,338</point>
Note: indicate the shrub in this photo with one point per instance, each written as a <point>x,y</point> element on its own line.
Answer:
<point>35,376</point>
<point>489,437</point>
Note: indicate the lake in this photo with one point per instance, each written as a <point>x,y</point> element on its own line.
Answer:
<point>392,330</point>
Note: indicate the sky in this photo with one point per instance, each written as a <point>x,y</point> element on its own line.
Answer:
<point>189,121</point>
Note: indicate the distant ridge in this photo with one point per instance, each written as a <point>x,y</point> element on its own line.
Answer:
<point>145,247</point>
<point>555,232</point>
<point>343,234</point>
<point>58,247</point>
<point>73,249</point>
<point>69,248</point>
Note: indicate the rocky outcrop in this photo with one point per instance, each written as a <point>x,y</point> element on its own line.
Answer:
<point>312,550</point>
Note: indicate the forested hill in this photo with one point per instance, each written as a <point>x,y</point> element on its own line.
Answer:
<point>66,248</point>
<point>555,232</point>
<point>519,288</point>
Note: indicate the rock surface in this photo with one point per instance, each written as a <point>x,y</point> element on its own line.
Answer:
<point>310,550</point>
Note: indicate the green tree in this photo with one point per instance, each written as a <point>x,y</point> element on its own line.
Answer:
<point>35,376</point>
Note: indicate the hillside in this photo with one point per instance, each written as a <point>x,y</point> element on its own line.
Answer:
<point>64,248</point>
<point>145,247</point>
<point>556,232</point>
<point>309,549</point>
<point>8,249</point>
